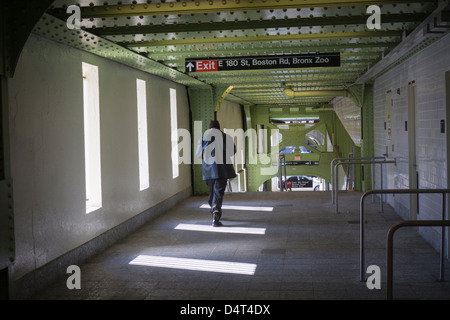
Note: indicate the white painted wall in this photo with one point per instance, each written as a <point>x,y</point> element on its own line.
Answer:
<point>47,150</point>
<point>427,68</point>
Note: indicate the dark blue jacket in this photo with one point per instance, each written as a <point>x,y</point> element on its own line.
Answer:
<point>216,150</point>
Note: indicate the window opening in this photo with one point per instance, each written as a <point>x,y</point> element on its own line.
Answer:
<point>174,132</point>
<point>91,115</point>
<point>144,180</point>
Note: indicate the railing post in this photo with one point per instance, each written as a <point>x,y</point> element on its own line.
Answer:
<point>390,246</point>
<point>441,254</point>
<point>373,181</point>
<point>381,187</point>
<point>333,173</point>
<point>361,238</point>
<point>444,223</point>
<point>355,162</point>
<point>390,261</point>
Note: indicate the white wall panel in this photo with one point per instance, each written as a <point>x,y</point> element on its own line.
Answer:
<point>46,119</point>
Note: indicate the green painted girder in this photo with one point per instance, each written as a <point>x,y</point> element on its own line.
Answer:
<point>289,83</point>
<point>206,6</point>
<point>277,73</point>
<point>267,38</point>
<point>305,82</point>
<point>378,47</point>
<point>160,53</point>
<point>278,100</point>
<point>280,89</point>
<point>280,80</point>
<point>279,85</point>
<point>263,93</point>
<point>252,24</point>
<point>55,29</point>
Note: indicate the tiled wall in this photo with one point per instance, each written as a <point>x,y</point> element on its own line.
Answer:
<point>427,69</point>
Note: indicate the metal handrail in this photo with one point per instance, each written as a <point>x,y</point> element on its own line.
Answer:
<point>280,171</point>
<point>357,162</point>
<point>397,191</point>
<point>344,159</point>
<point>390,248</point>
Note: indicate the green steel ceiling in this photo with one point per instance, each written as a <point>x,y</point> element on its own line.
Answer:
<point>157,36</point>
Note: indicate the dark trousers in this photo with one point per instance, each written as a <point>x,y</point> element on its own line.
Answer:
<point>216,191</point>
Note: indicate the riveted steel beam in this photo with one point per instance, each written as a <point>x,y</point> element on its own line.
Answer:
<point>372,47</point>
<point>254,24</point>
<point>345,77</point>
<point>56,30</point>
<point>281,73</point>
<point>317,93</point>
<point>206,6</point>
<point>279,86</point>
<point>272,38</point>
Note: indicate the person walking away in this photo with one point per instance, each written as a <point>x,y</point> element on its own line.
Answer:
<point>216,150</point>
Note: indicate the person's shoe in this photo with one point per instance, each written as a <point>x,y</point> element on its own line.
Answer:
<point>216,218</point>
<point>217,224</point>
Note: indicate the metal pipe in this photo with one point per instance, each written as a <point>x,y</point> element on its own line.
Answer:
<point>381,186</point>
<point>349,159</point>
<point>391,191</point>
<point>356,162</point>
<point>373,181</point>
<point>315,93</point>
<point>280,171</point>
<point>333,172</point>
<point>390,246</point>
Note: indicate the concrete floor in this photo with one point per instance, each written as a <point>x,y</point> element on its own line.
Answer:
<point>303,250</point>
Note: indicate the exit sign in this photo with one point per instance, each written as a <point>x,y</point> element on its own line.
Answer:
<point>204,65</point>
<point>312,60</point>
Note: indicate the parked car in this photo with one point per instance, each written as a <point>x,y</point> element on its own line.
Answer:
<point>302,182</point>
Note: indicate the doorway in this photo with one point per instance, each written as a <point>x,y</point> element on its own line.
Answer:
<point>389,133</point>
<point>413,174</point>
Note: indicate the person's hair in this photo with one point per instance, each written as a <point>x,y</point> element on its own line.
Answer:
<point>214,124</point>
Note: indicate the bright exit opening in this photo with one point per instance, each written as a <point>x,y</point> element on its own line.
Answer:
<point>144,179</point>
<point>174,132</point>
<point>91,115</point>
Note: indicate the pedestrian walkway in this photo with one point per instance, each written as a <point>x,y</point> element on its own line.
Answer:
<point>273,246</point>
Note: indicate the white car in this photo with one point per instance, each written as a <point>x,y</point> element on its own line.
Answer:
<point>303,182</point>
